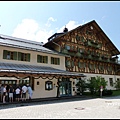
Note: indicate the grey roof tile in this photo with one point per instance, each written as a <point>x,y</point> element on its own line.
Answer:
<point>24,44</point>
<point>34,69</point>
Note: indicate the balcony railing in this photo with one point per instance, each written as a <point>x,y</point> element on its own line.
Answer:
<point>78,54</point>
<point>92,44</point>
<point>65,51</point>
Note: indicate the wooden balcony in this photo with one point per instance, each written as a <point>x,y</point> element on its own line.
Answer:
<point>78,54</point>
<point>64,51</point>
<point>92,44</point>
<point>72,50</point>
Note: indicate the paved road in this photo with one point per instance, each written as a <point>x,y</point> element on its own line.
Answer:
<point>108,107</point>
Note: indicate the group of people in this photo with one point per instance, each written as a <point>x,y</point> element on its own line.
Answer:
<point>11,93</point>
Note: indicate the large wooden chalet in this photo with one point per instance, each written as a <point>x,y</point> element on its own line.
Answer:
<point>91,51</point>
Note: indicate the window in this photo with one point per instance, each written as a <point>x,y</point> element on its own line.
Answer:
<point>24,81</point>
<point>24,56</point>
<point>77,37</point>
<point>48,85</point>
<point>67,47</point>
<point>88,32</point>
<point>55,61</point>
<point>118,79</point>
<point>111,82</point>
<point>8,82</point>
<point>42,59</point>
<point>81,50</point>
<point>9,55</point>
<point>13,55</point>
<point>82,39</point>
<point>37,82</point>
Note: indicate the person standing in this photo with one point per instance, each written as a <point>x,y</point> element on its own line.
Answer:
<point>1,91</point>
<point>14,93</point>
<point>30,92</point>
<point>24,90</point>
<point>7,93</point>
<point>20,87</point>
<point>4,94</point>
<point>11,90</point>
<point>17,91</point>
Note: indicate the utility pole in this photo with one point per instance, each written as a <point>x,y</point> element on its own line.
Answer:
<point>101,89</point>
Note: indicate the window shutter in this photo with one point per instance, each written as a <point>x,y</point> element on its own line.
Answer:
<point>5,54</point>
<point>51,60</point>
<point>82,39</point>
<point>79,64</point>
<point>19,56</point>
<point>28,57</point>
<point>77,37</point>
<point>46,59</point>
<point>38,58</point>
<point>41,59</point>
<point>14,55</point>
<point>58,61</point>
<point>68,63</point>
<point>72,63</point>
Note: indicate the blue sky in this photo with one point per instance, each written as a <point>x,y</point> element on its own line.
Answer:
<point>38,20</point>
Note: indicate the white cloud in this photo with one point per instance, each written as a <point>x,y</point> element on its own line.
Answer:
<point>26,29</point>
<point>43,35</point>
<point>31,30</point>
<point>52,19</point>
<point>48,24</point>
<point>70,25</point>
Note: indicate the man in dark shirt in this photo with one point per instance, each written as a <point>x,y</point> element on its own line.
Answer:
<point>7,95</point>
<point>11,90</point>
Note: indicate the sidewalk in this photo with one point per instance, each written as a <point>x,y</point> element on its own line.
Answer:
<point>49,99</point>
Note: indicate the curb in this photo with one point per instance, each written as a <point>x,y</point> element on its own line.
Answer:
<point>46,99</point>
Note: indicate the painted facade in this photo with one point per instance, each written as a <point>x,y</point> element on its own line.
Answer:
<point>53,68</point>
<point>92,52</point>
<point>27,62</point>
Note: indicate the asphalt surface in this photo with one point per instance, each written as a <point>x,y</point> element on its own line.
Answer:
<point>74,108</point>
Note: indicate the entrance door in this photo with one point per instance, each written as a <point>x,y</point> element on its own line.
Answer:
<point>65,88</point>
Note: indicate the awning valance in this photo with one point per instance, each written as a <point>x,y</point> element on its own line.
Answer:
<point>34,69</point>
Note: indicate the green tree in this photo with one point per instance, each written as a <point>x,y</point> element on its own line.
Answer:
<point>117,84</point>
<point>94,84</point>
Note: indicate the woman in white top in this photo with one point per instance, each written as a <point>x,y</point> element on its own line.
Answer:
<point>17,91</point>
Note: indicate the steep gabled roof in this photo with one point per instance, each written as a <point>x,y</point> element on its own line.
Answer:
<point>112,47</point>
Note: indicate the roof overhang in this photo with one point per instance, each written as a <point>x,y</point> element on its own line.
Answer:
<point>11,69</point>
